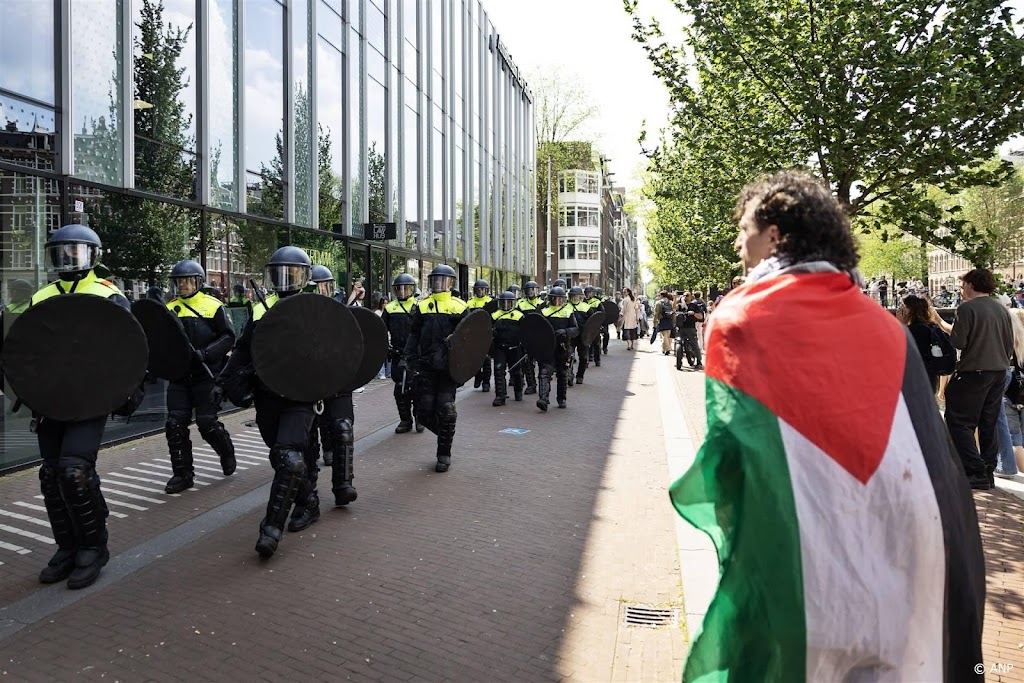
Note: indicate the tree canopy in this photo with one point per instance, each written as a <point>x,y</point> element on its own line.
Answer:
<point>881,100</point>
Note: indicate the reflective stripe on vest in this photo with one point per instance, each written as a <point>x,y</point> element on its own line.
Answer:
<point>259,310</point>
<point>204,305</point>
<point>478,301</point>
<point>441,303</point>
<point>90,284</point>
<point>562,312</point>
<point>514,314</point>
<point>401,306</point>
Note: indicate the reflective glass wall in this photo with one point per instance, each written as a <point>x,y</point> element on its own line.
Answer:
<point>221,129</point>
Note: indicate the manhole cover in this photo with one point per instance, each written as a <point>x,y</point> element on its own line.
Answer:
<point>650,617</point>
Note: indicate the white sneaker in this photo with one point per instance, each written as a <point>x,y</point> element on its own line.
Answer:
<point>359,390</point>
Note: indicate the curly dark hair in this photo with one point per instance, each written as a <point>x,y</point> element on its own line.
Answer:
<point>812,225</point>
<point>981,279</point>
<point>918,309</point>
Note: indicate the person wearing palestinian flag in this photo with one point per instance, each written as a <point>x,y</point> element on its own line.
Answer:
<point>846,532</point>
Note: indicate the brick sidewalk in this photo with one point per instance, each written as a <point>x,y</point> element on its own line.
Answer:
<point>515,565</point>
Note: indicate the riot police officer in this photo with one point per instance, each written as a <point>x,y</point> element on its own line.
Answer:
<point>238,298</point>
<point>530,303</point>
<point>591,298</point>
<point>208,329</point>
<point>560,282</point>
<point>481,297</point>
<point>433,321</point>
<point>397,317</point>
<point>321,281</point>
<point>507,350</point>
<point>582,311</point>
<point>515,289</point>
<point>67,478</point>
<point>21,296</point>
<point>560,314</point>
<point>284,424</point>
<point>605,334</point>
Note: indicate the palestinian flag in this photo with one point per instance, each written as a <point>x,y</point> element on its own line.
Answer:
<point>846,532</point>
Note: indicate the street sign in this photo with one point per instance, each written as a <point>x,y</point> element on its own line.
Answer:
<point>514,430</point>
<point>380,231</point>
<point>79,206</point>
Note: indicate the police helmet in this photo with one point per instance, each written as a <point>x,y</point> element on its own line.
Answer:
<point>404,286</point>
<point>530,289</point>
<point>559,283</point>
<point>287,270</point>
<point>515,290</point>
<point>239,289</point>
<point>481,287</point>
<point>187,278</point>
<point>556,297</point>
<point>589,291</point>
<point>155,293</point>
<point>21,290</point>
<point>74,249</point>
<point>506,301</point>
<point>598,291</point>
<point>322,280</point>
<point>576,294</point>
<point>441,279</point>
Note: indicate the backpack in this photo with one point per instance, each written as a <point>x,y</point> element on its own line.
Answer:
<point>1015,389</point>
<point>666,309</point>
<point>942,359</point>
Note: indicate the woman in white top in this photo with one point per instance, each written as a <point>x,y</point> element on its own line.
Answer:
<point>630,317</point>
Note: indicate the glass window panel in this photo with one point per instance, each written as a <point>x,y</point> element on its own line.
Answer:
<point>409,22</point>
<point>264,107</point>
<point>437,194</point>
<point>164,63</point>
<point>323,250</point>
<point>377,284</point>
<point>376,150</point>
<point>392,28</point>
<point>335,5</point>
<point>302,120</point>
<point>27,30</point>
<point>356,131</point>
<point>352,16</point>
<point>375,34</point>
<point>410,178</point>
<point>375,65</point>
<point>410,65</point>
<point>459,212</point>
<point>328,24</point>
<point>477,211</point>
<point>436,33</point>
<point>223,109</point>
<point>96,94</point>
<point>392,148</point>
<point>331,134</point>
<point>27,134</point>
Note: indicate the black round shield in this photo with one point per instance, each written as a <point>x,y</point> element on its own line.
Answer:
<point>75,357</point>
<point>375,346</point>
<point>306,346</point>
<point>491,306</point>
<point>471,341</point>
<point>538,337</point>
<point>592,327</point>
<point>611,312</point>
<point>170,352</point>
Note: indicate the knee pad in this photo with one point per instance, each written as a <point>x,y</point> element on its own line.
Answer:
<point>178,420</point>
<point>75,471</point>
<point>446,412</point>
<point>293,462</point>
<point>48,475</point>
<point>207,424</point>
<point>342,430</point>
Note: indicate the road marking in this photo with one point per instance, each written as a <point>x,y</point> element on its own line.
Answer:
<point>30,506</point>
<point>213,459</point>
<point>133,496</point>
<point>134,478</point>
<point>148,489</point>
<point>197,474</point>
<point>158,474</point>
<point>25,518</point>
<point>14,548</point>
<point>26,534</point>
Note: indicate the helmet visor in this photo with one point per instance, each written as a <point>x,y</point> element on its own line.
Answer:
<point>69,258</point>
<point>403,292</point>
<point>576,298</point>
<point>286,278</point>
<point>557,300</point>
<point>440,283</point>
<point>186,286</point>
<point>506,304</point>
<point>326,287</point>
<point>479,291</point>
<point>530,292</point>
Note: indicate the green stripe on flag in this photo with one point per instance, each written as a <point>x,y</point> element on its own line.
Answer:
<point>738,491</point>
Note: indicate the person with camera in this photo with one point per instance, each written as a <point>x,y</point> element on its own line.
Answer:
<point>686,329</point>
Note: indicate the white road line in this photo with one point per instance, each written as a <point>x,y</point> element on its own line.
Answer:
<point>133,496</point>
<point>215,459</point>
<point>253,451</point>
<point>157,474</point>
<point>250,460</point>
<point>133,478</point>
<point>142,488</point>
<point>25,518</point>
<point>110,502</point>
<point>26,534</point>
<point>148,489</point>
<point>14,548</point>
<point>197,474</point>
<point>215,470</point>
<point>30,506</point>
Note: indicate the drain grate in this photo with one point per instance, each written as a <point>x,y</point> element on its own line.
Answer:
<point>650,617</point>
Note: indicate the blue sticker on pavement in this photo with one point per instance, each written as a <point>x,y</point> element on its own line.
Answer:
<point>514,430</point>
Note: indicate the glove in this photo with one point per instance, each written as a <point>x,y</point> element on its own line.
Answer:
<point>244,401</point>
<point>561,334</point>
<point>217,396</point>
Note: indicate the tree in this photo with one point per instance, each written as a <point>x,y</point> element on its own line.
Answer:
<point>562,104</point>
<point>145,238</point>
<point>879,99</point>
<point>900,257</point>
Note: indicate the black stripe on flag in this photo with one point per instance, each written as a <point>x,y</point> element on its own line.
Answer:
<point>965,560</point>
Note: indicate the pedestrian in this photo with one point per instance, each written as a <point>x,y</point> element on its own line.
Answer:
<point>663,319</point>
<point>702,305</point>
<point>686,329</point>
<point>883,292</point>
<point>385,370</point>
<point>824,452</point>
<point>916,314</point>
<point>983,333</point>
<point>1012,462</point>
<point>630,318</point>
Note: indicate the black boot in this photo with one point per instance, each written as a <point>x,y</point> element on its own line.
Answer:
<point>500,388</point>
<point>80,488</point>
<point>342,472</point>
<point>446,418</point>
<point>289,474</point>
<point>404,415</point>
<point>307,502</point>
<point>219,439</point>
<point>63,561</point>
<point>179,446</point>
<point>485,371</point>
<point>561,389</point>
<point>544,387</point>
<point>517,385</point>
<point>325,442</point>
<point>529,371</point>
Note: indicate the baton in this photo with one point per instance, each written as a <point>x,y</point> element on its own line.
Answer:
<point>521,359</point>
<point>256,291</point>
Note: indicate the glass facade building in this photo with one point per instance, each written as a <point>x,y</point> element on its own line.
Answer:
<point>222,129</point>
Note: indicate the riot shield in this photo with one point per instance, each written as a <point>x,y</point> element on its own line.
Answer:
<point>170,352</point>
<point>471,341</point>
<point>592,327</point>
<point>538,337</point>
<point>611,312</point>
<point>375,346</point>
<point>491,306</point>
<point>239,317</point>
<point>306,346</point>
<point>75,357</point>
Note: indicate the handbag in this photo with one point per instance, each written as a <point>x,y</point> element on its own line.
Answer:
<point>1015,390</point>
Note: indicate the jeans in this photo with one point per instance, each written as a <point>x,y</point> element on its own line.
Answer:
<point>1006,463</point>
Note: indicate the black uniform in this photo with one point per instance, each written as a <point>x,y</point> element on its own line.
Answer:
<point>563,320</point>
<point>284,425</point>
<point>582,311</point>
<point>426,352</point>
<point>209,330</point>
<point>594,351</point>
<point>397,316</point>
<point>530,306</point>
<point>507,352</point>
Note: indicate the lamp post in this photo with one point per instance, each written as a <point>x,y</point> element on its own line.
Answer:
<point>547,230</point>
